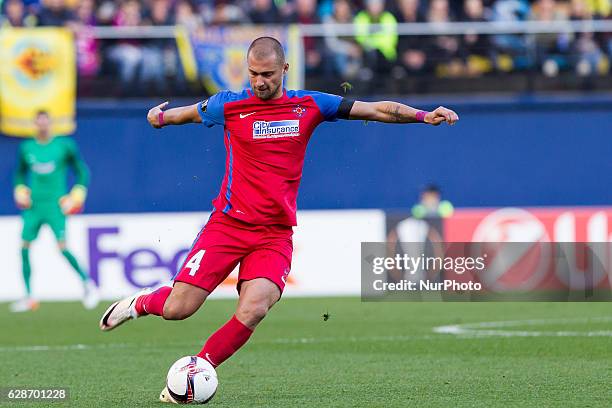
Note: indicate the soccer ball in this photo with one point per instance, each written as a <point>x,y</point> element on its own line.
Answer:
<point>192,380</point>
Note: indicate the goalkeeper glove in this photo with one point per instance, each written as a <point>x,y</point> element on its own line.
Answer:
<point>23,196</point>
<point>72,203</point>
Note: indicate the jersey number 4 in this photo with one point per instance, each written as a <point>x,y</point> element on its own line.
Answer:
<point>194,263</point>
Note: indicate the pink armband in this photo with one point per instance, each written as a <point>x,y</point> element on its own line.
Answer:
<point>160,118</point>
<point>420,116</point>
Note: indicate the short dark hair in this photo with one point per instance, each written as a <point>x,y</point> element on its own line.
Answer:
<point>262,47</point>
<point>432,188</point>
<point>42,112</point>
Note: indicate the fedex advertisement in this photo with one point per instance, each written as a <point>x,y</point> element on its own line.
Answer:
<point>125,252</point>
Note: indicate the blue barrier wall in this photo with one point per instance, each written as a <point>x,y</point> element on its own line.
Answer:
<point>519,152</point>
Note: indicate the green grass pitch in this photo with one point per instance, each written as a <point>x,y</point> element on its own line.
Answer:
<point>364,355</point>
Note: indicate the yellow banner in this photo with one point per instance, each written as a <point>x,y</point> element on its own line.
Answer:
<point>217,55</point>
<point>37,72</point>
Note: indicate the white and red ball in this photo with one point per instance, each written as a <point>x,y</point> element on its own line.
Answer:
<point>192,380</point>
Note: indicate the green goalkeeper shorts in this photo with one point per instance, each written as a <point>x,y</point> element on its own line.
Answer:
<point>40,214</point>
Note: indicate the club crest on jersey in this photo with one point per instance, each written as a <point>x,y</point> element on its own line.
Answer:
<point>204,105</point>
<point>299,111</point>
<point>275,129</point>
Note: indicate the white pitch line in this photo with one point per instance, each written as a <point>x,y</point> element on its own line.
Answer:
<point>64,347</point>
<point>101,346</point>
<point>352,339</point>
<point>299,340</point>
<point>487,329</point>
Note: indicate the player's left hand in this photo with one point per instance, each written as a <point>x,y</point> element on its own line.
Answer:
<point>440,115</point>
<point>73,202</point>
<point>153,115</point>
<point>68,205</point>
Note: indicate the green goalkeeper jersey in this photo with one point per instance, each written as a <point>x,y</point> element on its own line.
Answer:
<point>43,167</point>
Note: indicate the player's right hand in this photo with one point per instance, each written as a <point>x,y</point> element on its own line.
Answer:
<point>23,197</point>
<point>153,115</point>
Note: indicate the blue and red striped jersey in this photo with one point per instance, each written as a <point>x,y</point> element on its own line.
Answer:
<point>266,141</point>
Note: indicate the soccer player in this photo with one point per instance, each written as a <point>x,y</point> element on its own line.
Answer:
<point>266,130</point>
<point>40,192</point>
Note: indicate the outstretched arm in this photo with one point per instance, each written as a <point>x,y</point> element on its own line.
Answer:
<point>158,117</point>
<point>394,112</point>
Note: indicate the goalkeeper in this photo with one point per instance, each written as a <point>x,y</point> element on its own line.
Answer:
<point>40,192</point>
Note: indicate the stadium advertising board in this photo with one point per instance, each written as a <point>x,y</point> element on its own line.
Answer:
<point>539,266</point>
<point>124,252</point>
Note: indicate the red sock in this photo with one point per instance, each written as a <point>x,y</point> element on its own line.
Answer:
<point>153,303</point>
<point>225,341</point>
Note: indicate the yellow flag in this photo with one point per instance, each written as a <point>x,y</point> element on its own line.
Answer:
<point>37,72</point>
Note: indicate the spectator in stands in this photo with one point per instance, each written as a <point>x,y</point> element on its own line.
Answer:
<point>88,59</point>
<point>226,13</point>
<point>105,13</point>
<point>152,61</point>
<point>444,49</point>
<point>158,14</point>
<point>287,9</point>
<point>476,49</point>
<point>16,15</point>
<point>512,48</point>
<point>264,12</point>
<point>587,57</point>
<point>185,15</point>
<point>32,7</point>
<point>55,13</point>
<point>411,49</point>
<point>306,13</point>
<point>345,54</point>
<point>380,48</point>
<point>85,13</point>
<point>127,54</point>
<point>407,11</point>
<point>204,9</point>
<point>510,10</point>
<point>129,14</point>
<point>551,49</point>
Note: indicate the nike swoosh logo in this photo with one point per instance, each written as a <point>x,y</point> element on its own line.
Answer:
<point>243,115</point>
<point>209,360</point>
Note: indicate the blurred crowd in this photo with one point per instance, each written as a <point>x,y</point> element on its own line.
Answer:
<point>361,56</point>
